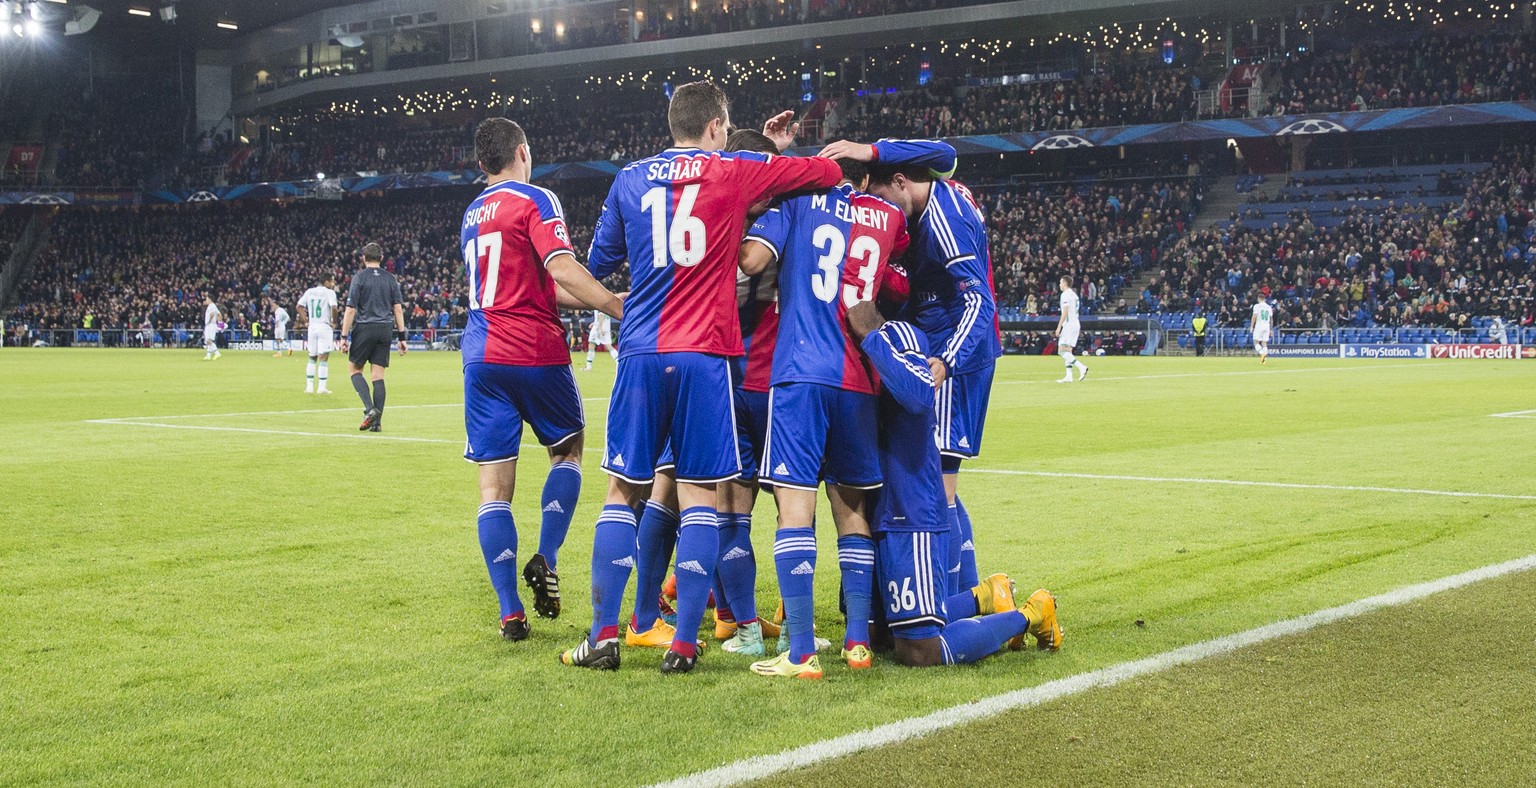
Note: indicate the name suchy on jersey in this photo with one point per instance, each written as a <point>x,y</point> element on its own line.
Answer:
<point>680,213</point>
<point>833,249</point>
<point>510,233</point>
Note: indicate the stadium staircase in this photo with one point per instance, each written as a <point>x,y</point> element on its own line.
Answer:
<point>1221,198</point>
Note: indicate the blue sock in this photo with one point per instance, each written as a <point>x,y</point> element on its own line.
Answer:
<point>738,567</point>
<point>658,534</point>
<point>968,576</point>
<point>559,501</point>
<point>794,558</point>
<point>856,559</point>
<point>970,639</point>
<point>698,550</point>
<point>961,605</point>
<point>613,555</point>
<point>952,575</point>
<point>498,543</point>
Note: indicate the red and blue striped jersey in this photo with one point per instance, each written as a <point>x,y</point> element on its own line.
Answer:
<point>833,248</point>
<point>510,232</point>
<point>677,218</point>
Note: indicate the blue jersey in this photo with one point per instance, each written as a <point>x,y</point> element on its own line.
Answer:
<point>677,218</point>
<point>832,249</point>
<point>951,263</point>
<point>913,496</point>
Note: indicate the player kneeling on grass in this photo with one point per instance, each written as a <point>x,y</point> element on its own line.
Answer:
<point>911,522</point>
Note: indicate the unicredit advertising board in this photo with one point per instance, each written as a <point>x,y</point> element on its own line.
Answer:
<point>1497,352</point>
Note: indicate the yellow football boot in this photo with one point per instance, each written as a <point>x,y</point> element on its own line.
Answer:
<point>1040,609</point>
<point>781,666</point>
<point>660,635</point>
<point>858,658</point>
<point>994,594</point>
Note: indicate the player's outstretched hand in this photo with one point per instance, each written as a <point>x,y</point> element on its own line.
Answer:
<point>939,369</point>
<point>782,129</point>
<point>844,149</point>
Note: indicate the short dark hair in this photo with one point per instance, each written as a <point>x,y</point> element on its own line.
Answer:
<point>496,141</point>
<point>747,139</point>
<point>854,171</point>
<point>373,252</point>
<point>693,106</point>
<point>885,173</point>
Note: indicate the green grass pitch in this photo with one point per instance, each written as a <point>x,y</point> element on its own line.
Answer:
<point>281,599</point>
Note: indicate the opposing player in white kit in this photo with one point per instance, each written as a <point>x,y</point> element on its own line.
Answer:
<point>319,307</point>
<point>211,317</point>
<point>1067,331</point>
<point>1263,316</point>
<point>280,320</point>
<point>601,334</point>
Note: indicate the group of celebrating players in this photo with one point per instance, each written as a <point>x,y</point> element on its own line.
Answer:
<point>754,351</point>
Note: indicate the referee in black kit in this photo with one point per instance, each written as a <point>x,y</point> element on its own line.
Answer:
<point>373,304</point>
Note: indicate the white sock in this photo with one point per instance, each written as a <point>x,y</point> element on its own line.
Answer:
<point>591,354</point>
<point>309,374</point>
<point>613,352</point>
<point>325,374</point>
<point>1066,355</point>
<point>1080,365</point>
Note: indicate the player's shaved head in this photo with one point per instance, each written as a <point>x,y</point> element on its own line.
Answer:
<point>496,144</point>
<point>693,106</point>
<point>747,139</point>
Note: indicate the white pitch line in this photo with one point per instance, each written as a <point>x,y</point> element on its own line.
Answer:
<point>127,419</point>
<point>209,428</point>
<point>1244,483</point>
<point>1302,371</point>
<point>764,766</point>
<point>1515,414</point>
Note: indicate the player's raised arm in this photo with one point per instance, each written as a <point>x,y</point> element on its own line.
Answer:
<point>762,176</point>
<point>938,157</point>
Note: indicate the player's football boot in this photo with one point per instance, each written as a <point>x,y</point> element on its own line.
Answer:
<point>994,594</point>
<point>378,424</point>
<point>725,628</point>
<point>545,585</point>
<point>323,391</point>
<point>673,662</point>
<point>1040,609</point>
<point>585,655</point>
<point>370,418</point>
<point>515,627</point>
<point>859,657</point>
<point>782,666</point>
<point>822,644</point>
<point>1082,374</point>
<point>660,635</point>
<point>748,640</point>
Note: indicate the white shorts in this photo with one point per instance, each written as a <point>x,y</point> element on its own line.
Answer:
<point>1068,337</point>
<point>1261,337</point>
<point>601,339</point>
<point>280,334</point>
<point>320,340</point>
<point>210,334</point>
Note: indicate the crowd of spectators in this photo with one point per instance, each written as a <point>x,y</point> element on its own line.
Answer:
<point>1382,266</point>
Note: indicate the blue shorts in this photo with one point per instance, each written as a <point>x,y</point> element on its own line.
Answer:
<point>818,432</point>
<point>910,568</point>
<point>962,412</point>
<point>751,429</point>
<point>498,398</point>
<point>684,398</point>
